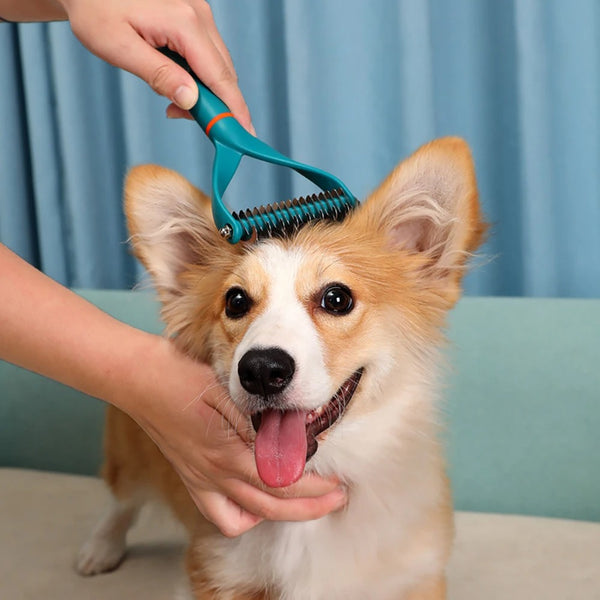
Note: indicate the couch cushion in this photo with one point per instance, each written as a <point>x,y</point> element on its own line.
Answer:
<point>510,557</point>
<point>44,517</point>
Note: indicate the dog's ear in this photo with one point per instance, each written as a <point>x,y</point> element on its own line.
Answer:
<point>170,224</point>
<point>429,206</point>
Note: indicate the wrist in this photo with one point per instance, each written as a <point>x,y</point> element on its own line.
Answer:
<point>136,367</point>
<point>149,370</point>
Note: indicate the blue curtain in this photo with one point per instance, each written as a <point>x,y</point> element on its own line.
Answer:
<point>347,85</point>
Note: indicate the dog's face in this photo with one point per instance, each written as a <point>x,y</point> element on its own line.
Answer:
<point>312,328</point>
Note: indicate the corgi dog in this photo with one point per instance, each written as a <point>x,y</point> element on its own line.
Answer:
<point>329,340</point>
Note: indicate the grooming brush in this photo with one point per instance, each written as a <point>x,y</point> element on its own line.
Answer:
<point>232,142</point>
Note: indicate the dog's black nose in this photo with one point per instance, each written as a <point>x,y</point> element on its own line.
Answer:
<point>266,371</point>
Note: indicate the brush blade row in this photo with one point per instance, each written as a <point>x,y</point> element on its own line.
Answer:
<point>286,217</point>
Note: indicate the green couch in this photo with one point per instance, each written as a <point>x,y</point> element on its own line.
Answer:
<point>523,437</point>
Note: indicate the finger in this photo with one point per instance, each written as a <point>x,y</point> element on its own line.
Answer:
<point>205,14</point>
<point>245,431</point>
<point>174,112</point>
<point>218,74</point>
<point>310,486</point>
<point>229,517</point>
<point>239,463</point>
<point>232,415</point>
<point>267,506</point>
<point>163,75</point>
<point>213,32</point>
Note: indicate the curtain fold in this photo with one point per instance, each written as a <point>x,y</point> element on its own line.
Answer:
<point>17,209</point>
<point>346,85</point>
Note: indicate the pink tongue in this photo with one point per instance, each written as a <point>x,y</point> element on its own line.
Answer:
<point>280,447</point>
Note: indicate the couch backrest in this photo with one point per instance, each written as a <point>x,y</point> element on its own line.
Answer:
<point>45,425</point>
<point>523,406</point>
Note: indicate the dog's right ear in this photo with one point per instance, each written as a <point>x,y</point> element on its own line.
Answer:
<point>170,224</point>
<point>428,208</point>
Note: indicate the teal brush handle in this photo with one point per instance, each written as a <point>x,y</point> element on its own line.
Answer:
<point>219,124</point>
<point>227,135</point>
<point>231,142</point>
<point>208,105</point>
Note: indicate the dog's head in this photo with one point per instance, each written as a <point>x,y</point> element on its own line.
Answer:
<point>325,323</point>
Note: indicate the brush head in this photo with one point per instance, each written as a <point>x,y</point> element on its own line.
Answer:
<point>232,142</point>
<point>285,218</point>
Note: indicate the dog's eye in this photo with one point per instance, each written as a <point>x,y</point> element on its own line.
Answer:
<point>337,300</point>
<point>237,303</point>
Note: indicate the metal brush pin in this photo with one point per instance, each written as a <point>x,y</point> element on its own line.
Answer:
<point>286,217</point>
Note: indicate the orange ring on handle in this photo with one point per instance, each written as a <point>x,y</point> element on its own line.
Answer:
<point>216,120</point>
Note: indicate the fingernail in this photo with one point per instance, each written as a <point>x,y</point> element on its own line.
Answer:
<point>185,97</point>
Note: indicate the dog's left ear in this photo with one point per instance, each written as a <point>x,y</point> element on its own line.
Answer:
<point>429,206</point>
<point>171,226</point>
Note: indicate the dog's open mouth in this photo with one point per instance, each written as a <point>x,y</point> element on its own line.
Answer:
<point>285,440</point>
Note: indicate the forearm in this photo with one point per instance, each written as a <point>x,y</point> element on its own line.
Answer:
<point>48,329</point>
<point>32,10</point>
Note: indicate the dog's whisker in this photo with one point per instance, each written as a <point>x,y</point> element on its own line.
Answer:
<point>230,421</point>
<point>218,410</point>
<point>199,396</point>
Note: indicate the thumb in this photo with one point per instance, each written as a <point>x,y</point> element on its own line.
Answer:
<point>170,80</point>
<point>162,74</point>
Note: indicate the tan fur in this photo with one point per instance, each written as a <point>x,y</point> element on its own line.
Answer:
<point>203,587</point>
<point>429,590</point>
<point>393,260</point>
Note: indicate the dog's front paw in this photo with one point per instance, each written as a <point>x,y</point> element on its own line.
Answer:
<point>99,555</point>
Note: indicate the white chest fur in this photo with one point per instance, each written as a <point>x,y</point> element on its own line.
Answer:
<point>374,548</point>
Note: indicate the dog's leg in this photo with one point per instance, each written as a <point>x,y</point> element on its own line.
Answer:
<point>432,589</point>
<point>121,471</point>
<point>105,548</point>
<point>203,587</point>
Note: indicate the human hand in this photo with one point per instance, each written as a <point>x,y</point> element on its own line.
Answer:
<point>126,34</point>
<point>201,432</point>
<point>48,329</point>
